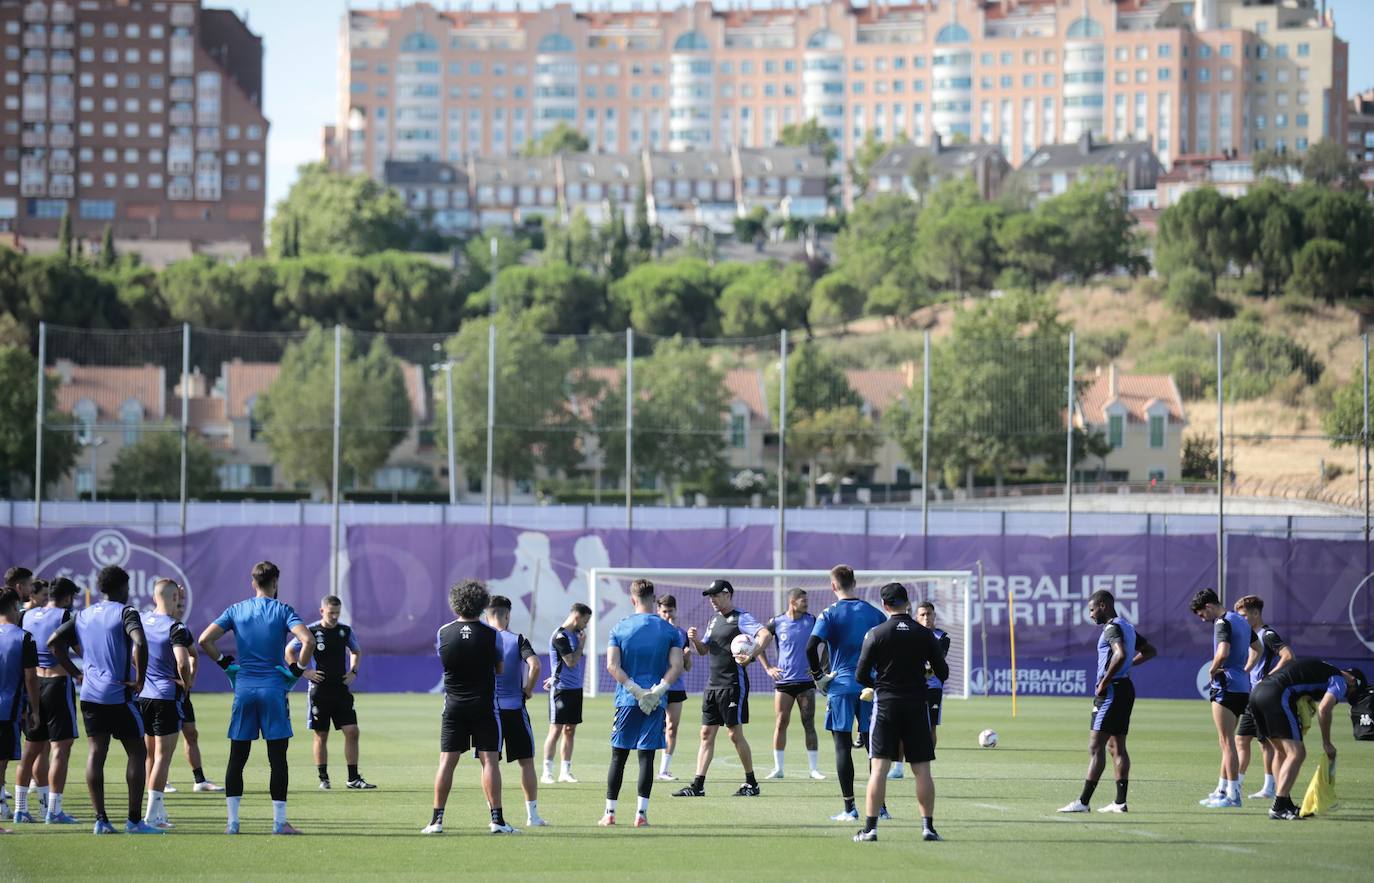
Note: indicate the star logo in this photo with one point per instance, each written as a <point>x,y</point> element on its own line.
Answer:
<point>109,547</point>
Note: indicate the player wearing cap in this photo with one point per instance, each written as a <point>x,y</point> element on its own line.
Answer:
<point>514,686</point>
<point>330,701</point>
<point>891,669</point>
<point>792,682</point>
<point>169,666</point>
<point>1230,689</point>
<point>841,628</point>
<point>565,690</point>
<point>1119,649</point>
<point>1268,654</point>
<point>726,700</point>
<point>677,694</point>
<point>644,656</point>
<point>261,626</point>
<point>19,700</point>
<point>1275,707</point>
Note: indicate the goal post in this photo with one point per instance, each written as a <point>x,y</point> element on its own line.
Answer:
<point>762,593</point>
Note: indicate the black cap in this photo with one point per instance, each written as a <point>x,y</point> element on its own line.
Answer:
<point>894,595</point>
<point>718,586</point>
<point>1361,682</point>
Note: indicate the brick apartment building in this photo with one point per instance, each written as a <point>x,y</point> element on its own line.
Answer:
<point>145,115</point>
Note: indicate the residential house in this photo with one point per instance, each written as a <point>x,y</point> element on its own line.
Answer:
<point>790,181</point>
<point>598,183</point>
<point>691,190</point>
<point>437,190</point>
<point>1141,417</point>
<point>1052,168</point>
<point>513,190</point>
<point>113,406</point>
<point>913,169</point>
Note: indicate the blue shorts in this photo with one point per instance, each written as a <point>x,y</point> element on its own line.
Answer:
<point>635,729</point>
<point>842,711</point>
<point>264,710</point>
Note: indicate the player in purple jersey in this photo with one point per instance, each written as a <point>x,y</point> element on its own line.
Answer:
<point>677,696</point>
<point>169,671</point>
<point>47,748</point>
<point>520,669</point>
<point>1230,689</point>
<point>18,680</point>
<point>792,682</point>
<point>566,649</point>
<point>1268,654</point>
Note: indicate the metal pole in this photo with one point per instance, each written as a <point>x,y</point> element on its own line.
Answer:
<point>1221,476</point>
<point>185,413</point>
<point>338,399</point>
<point>1068,462</point>
<point>38,425</point>
<point>492,303</point>
<point>452,454</point>
<point>629,430</point>
<point>594,681</point>
<point>491,415</point>
<point>782,455</point>
<point>1365,435</point>
<point>925,443</point>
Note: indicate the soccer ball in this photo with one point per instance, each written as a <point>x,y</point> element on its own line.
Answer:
<point>988,739</point>
<point>742,645</point>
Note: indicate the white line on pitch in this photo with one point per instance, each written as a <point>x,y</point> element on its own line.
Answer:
<point>992,806</point>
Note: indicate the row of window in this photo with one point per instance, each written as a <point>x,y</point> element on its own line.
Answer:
<point>110,30</point>
<point>113,181</point>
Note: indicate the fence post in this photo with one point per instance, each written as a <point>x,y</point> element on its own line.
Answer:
<point>1365,437</point>
<point>452,454</point>
<point>782,455</point>
<point>334,521</point>
<point>185,414</point>
<point>1221,475</point>
<point>491,415</point>
<point>1068,462</point>
<point>38,425</point>
<point>629,440</point>
<point>925,445</point>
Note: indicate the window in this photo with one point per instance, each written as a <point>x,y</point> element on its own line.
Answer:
<point>131,415</point>
<point>1156,430</point>
<point>738,430</point>
<point>1116,430</point>
<point>1226,51</point>
<point>97,209</point>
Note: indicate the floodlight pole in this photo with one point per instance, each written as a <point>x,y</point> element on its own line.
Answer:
<point>38,426</point>
<point>448,414</point>
<point>491,416</point>
<point>925,448</point>
<point>1221,475</point>
<point>185,412</point>
<point>629,441</point>
<point>782,455</point>
<point>338,400</point>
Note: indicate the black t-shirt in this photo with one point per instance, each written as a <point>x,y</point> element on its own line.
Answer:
<point>1310,677</point>
<point>722,669</point>
<point>469,652</point>
<point>895,655</point>
<point>1270,644</point>
<point>331,650</point>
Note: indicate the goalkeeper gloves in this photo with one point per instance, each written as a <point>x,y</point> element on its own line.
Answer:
<point>225,661</point>
<point>653,697</point>
<point>231,668</point>
<point>866,695</point>
<point>635,690</point>
<point>292,674</point>
<point>823,682</point>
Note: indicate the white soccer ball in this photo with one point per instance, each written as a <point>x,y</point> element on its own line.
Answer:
<point>988,739</point>
<point>742,645</point>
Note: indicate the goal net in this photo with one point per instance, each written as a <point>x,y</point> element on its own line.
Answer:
<point>763,593</point>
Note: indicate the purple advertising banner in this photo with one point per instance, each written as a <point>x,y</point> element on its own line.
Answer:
<point>396,577</point>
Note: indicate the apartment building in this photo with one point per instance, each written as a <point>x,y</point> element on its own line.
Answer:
<point>916,170</point>
<point>145,115</point>
<point>1360,129</point>
<point>1197,77</point>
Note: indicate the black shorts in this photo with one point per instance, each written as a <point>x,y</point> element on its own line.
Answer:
<point>935,703</point>
<point>1274,713</point>
<point>11,742</point>
<point>468,726</point>
<point>677,696</point>
<point>1112,713</point>
<point>726,707</point>
<point>123,722</point>
<point>56,711</point>
<point>188,711</point>
<point>1247,726</point>
<point>797,689</point>
<point>161,717</point>
<point>517,734</point>
<point>900,730</point>
<point>1235,703</point>
<point>565,707</point>
<point>330,703</point>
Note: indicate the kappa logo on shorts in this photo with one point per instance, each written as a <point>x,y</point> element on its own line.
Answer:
<point>731,705</point>
<point>1366,720</point>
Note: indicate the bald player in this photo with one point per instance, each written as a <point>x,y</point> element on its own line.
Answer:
<point>169,668</point>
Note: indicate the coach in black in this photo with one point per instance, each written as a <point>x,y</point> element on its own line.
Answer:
<point>892,665</point>
<point>337,656</point>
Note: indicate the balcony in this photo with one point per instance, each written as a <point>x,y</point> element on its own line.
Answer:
<point>182,90</point>
<point>33,188</point>
<point>63,64</point>
<point>181,116</point>
<point>35,63</point>
<point>62,188</point>
<point>36,12</point>
<point>180,192</point>
<point>35,113</point>
<point>62,114</point>
<point>34,138</point>
<point>207,139</point>
<point>63,40</point>
<point>62,164</point>
<point>62,138</point>
<point>63,13</point>
<point>35,39</point>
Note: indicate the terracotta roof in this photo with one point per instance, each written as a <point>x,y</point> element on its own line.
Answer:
<point>242,381</point>
<point>109,387</point>
<point>1136,392</point>
<point>202,410</point>
<point>879,388</point>
<point>745,385</point>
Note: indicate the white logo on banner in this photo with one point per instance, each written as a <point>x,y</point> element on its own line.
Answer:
<point>80,564</point>
<point>1355,626</point>
<point>1204,680</point>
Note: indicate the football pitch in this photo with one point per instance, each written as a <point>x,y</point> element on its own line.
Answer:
<point>995,807</point>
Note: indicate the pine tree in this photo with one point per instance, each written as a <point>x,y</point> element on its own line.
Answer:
<point>644,234</point>
<point>108,257</point>
<point>64,235</point>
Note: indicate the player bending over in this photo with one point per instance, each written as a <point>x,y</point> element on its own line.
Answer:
<point>892,670</point>
<point>841,627</point>
<point>726,700</point>
<point>169,667</point>
<point>471,655</point>
<point>644,656</point>
<point>18,685</point>
<point>792,682</point>
<point>1268,654</point>
<point>48,747</point>
<point>565,690</point>
<point>677,694</point>
<point>514,686</point>
<point>330,701</point>
<point>1119,649</point>
<point>261,626</point>
<point>1230,689</point>
<point>1274,706</point>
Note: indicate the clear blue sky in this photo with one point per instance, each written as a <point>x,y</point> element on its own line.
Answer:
<point>301,39</point>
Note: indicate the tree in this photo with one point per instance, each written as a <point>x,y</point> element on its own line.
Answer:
<point>297,410</point>
<point>1199,458</point>
<point>576,244</point>
<point>326,212</point>
<point>1191,293</point>
<point>876,252</point>
<point>956,238</point>
<point>1323,269</point>
<point>64,234</point>
<point>238,297</point>
<point>107,249</point>
<point>553,298</point>
<point>670,298</point>
<point>65,292</point>
<point>617,245</point>
<point>537,383</point>
<point>1326,163</point>
<point>1201,230</point>
<point>1096,227</point>
<point>1272,228</point>
<point>835,301</point>
<point>643,232</point>
<point>18,437</point>
<point>1270,160</point>
<point>748,228</point>
<point>562,138</point>
<point>810,134</point>
<point>1034,244</point>
<point>150,469</point>
<point>827,431</point>
<point>765,298</point>
<point>1344,422</point>
<point>867,154</point>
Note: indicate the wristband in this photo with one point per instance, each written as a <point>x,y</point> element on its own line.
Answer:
<point>296,670</point>
<point>225,661</point>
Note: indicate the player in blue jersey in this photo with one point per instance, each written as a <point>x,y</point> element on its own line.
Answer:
<point>262,625</point>
<point>115,652</point>
<point>677,693</point>
<point>565,690</point>
<point>169,668</point>
<point>47,747</point>
<point>514,686</point>
<point>1230,689</point>
<point>1120,648</point>
<point>792,683</point>
<point>1268,654</point>
<point>18,683</point>
<point>841,628</point>
<point>644,656</point>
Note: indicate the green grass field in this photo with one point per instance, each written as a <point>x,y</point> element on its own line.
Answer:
<point>995,809</point>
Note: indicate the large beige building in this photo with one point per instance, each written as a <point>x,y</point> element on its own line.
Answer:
<point>1186,77</point>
